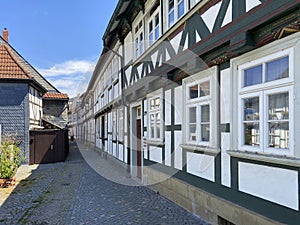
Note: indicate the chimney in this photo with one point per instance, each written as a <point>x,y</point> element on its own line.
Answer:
<point>5,34</point>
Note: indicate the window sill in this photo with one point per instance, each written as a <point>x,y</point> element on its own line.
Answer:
<point>205,149</point>
<point>270,158</point>
<point>154,143</point>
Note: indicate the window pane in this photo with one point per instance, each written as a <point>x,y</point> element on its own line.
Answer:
<point>277,69</point>
<point>151,39</point>
<point>279,106</point>
<point>193,115</point>
<point>158,125</point>
<point>136,43</point>
<point>171,18</point>
<point>150,27</point>
<point>158,131</point>
<point>194,92</point>
<point>156,32</point>
<point>171,12</point>
<point>205,89</point>
<point>192,124</point>
<point>205,113</point>
<point>171,5</point>
<point>156,29</point>
<point>192,132</point>
<point>156,22</point>
<point>253,76</point>
<point>152,104</point>
<point>180,9</point>
<point>141,43</point>
<point>279,135</point>
<point>251,109</point>
<point>157,102</point>
<point>205,132</point>
<point>152,121</point>
<point>251,134</point>
<point>139,111</point>
<point>137,47</point>
<point>157,117</point>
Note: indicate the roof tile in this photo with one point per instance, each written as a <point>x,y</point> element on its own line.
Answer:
<point>9,66</point>
<point>53,95</point>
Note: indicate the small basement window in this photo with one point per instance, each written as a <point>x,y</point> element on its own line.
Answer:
<point>222,221</point>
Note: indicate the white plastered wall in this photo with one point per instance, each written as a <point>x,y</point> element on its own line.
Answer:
<point>225,108</point>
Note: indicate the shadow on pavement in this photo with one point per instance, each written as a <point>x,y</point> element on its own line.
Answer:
<point>46,194</point>
<point>72,192</point>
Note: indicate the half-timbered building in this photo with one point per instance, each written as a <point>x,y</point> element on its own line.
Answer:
<point>23,94</point>
<point>200,99</point>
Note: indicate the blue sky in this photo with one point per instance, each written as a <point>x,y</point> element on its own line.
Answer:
<point>62,39</point>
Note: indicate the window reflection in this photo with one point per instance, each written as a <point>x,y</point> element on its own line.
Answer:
<point>194,92</point>
<point>277,69</point>
<point>193,124</point>
<point>205,89</point>
<point>253,76</point>
<point>205,125</point>
<point>279,120</point>
<point>251,121</point>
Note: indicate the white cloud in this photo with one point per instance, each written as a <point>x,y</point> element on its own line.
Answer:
<point>69,68</point>
<point>69,86</point>
<point>71,77</point>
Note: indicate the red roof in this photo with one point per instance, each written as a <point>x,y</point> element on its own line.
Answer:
<point>9,66</point>
<point>53,95</point>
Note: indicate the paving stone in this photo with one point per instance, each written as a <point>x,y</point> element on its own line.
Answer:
<point>73,192</point>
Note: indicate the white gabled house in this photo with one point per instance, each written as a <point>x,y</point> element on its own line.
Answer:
<point>201,99</point>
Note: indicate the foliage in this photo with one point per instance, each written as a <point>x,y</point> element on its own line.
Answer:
<point>11,157</point>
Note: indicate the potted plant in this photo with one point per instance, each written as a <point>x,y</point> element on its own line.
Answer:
<point>11,157</point>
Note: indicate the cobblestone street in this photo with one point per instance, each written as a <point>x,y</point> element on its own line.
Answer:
<point>74,193</point>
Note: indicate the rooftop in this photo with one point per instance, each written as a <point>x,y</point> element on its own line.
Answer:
<point>9,65</point>
<point>52,95</point>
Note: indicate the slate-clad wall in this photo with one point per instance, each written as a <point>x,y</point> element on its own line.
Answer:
<point>14,113</point>
<point>56,111</point>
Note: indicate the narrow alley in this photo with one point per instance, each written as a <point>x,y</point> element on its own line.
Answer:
<point>74,193</point>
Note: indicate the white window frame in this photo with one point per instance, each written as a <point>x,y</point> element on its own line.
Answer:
<point>139,47</point>
<point>197,102</point>
<point>175,11</point>
<point>153,96</point>
<point>263,90</point>
<point>211,100</point>
<point>152,19</point>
